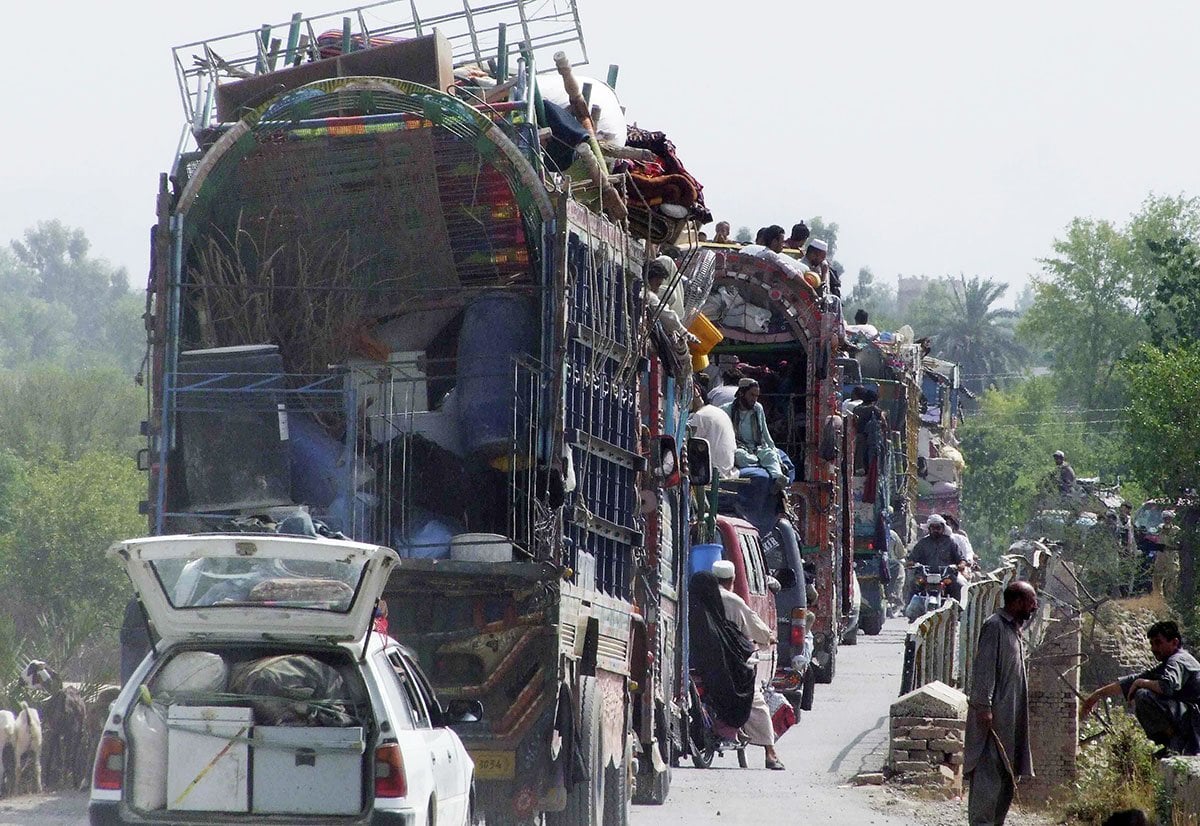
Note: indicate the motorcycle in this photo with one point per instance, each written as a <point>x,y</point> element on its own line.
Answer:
<point>708,735</point>
<point>930,590</point>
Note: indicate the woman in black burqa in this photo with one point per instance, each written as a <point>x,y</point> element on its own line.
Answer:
<point>719,651</point>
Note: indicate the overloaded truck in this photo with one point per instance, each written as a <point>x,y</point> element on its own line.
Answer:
<point>375,302</point>
<point>785,333</point>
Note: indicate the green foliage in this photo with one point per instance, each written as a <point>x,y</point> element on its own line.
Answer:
<point>1163,392</point>
<point>1105,279</point>
<point>878,299</point>
<point>744,235</point>
<point>50,413</point>
<point>1116,771</point>
<point>63,518</point>
<point>60,306</point>
<point>83,652</point>
<point>1009,443</point>
<point>968,330</point>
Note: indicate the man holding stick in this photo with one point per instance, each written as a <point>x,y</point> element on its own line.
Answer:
<point>997,747</point>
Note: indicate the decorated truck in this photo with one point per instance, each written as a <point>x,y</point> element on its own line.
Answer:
<point>376,304</point>
<point>785,334</point>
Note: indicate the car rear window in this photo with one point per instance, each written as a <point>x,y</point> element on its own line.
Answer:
<point>288,583</point>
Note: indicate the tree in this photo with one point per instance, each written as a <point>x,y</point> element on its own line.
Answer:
<point>976,335</point>
<point>1086,310</point>
<point>64,517</point>
<point>744,235</point>
<point>1008,443</point>
<point>58,305</point>
<point>51,414</point>
<point>1164,440</point>
<point>878,299</point>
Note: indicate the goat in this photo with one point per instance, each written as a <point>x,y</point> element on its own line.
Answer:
<point>64,718</point>
<point>27,741</point>
<point>8,744</point>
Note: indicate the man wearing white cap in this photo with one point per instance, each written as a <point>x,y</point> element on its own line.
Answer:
<point>758,728</point>
<point>755,447</point>
<point>814,260</point>
<point>938,550</point>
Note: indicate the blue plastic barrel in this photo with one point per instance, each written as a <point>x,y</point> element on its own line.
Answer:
<point>497,328</point>
<point>702,557</point>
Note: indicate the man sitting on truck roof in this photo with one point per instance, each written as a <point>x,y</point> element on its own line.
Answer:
<point>799,236</point>
<point>773,238</point>
<point>755,447</point>
<point>814,261</point>
<point>713,425</point>
<point>722,233</point>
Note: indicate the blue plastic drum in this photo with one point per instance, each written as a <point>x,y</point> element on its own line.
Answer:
<point>702,557</point>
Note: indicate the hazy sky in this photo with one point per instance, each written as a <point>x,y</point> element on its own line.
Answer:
<point>942,137</point>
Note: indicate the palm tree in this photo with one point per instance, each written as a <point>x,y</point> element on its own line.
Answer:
<point>978,336</point>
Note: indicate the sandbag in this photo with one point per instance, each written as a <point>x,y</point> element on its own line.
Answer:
<point>192,672</point>
<point>292,690</point>
<point>147,731</point>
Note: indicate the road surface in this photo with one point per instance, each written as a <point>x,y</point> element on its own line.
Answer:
<point>845,733</point>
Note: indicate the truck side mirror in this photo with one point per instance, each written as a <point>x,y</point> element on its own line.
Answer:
<point>699,463</point>
<point>664,461</point>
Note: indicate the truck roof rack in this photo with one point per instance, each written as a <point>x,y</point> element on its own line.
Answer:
<point>478,32</point>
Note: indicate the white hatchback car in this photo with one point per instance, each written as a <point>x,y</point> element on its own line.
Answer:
<point>269,699</point>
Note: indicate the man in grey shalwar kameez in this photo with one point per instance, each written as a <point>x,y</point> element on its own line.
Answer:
<point>1166,698</point>
<point>997,746</point>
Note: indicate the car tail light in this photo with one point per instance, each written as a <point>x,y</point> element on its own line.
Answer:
<point>390,779</point>
<point>109,771</point>
<point>798,628</point>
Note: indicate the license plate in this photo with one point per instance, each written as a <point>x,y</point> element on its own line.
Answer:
<point>495,765</point>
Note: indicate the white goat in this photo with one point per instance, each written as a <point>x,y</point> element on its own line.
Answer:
<point>8,745</point>
<point>28,740</point>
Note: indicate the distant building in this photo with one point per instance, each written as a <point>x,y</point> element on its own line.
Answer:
<point>908,289</point>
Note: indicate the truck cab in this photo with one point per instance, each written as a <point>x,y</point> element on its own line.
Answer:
<point>752,581</point>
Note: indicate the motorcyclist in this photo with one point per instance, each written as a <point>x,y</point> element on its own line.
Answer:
<point>936,550</point>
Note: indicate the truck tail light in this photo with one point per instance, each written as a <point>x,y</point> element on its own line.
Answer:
<point>798,628</point>
<point>109,771</point>
<point>390,779</point>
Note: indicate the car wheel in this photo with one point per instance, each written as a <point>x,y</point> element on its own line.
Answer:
<point>616,795</point>
<point>872,623</point>
<point>651,787</point>
<point>585,801</point>
<point>810,687</point>
<point>827,661</point>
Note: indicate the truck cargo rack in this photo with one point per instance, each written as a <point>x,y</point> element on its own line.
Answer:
<point>278,395</point>
<point>478,32</point>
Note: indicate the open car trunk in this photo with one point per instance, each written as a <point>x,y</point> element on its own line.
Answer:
<point>251,728</point>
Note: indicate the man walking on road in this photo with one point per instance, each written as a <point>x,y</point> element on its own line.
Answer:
<point>758,728</point>
<point>997,747</point>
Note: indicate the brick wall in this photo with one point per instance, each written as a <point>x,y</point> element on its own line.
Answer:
<point>1053,704</point>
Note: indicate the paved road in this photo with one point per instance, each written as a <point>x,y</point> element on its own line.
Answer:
<point>845,733</point>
